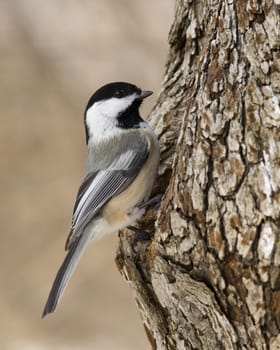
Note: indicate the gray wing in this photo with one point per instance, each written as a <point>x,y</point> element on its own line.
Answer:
<point>98,187</point>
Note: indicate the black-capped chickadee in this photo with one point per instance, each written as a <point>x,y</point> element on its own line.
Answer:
<point>122,163</point>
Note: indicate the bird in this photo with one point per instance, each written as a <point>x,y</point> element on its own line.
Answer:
<point>123,156</point>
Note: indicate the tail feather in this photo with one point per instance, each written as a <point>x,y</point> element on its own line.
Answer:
<point>65,272</point>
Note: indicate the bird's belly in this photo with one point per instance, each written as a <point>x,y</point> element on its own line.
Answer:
<point>113,221</point>
<point>123,209</point>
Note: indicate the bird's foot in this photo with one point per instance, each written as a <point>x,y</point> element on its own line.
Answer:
<point>155,201</point>
<point>140,236</point>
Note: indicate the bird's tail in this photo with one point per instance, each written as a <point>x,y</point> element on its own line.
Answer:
<point>65,272</point>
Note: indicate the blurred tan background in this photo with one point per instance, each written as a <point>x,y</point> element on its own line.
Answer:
<point>54,54</point>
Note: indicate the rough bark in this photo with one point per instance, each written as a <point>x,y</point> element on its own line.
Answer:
<point>210,277</point>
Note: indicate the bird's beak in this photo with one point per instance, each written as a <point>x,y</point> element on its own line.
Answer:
<point>145,93</point>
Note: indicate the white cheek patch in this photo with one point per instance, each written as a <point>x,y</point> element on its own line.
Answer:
<point>101,117</point>
<point>112,107</point>
<point>100,127</point>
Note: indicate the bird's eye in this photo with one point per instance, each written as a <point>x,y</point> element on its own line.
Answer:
<point>119,93</point>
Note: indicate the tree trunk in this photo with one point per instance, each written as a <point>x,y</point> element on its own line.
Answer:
<point>210,278</point>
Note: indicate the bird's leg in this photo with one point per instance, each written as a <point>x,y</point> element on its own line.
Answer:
<point>154,200</point>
